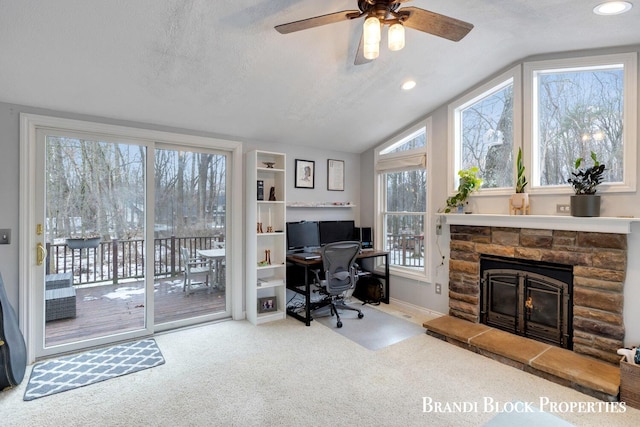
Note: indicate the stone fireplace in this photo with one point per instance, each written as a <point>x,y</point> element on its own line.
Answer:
<point>597,261</point>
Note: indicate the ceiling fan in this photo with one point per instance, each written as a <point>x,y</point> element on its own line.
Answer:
<point>379,13</point>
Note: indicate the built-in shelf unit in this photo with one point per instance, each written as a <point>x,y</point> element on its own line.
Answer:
<point>265,235</point>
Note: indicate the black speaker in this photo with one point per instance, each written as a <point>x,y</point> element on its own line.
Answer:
<point>366,237</point>
<point>260,189</point>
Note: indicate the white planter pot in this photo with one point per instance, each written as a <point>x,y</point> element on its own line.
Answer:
<point>519,204</point>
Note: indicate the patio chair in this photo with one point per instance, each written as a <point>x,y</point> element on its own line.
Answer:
<point>194,266</point>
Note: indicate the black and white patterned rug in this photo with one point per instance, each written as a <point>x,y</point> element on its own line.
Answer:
<point>69,372</point>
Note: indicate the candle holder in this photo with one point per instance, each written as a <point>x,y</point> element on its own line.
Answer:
<point>259,228</point>
<point>267,258</point>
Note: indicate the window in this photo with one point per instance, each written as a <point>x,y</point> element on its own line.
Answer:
<point>578,106</point>
<point>483,127</point>
<point>403,202</point>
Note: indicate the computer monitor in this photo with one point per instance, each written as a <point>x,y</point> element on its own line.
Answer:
<point>302,235</point>
<point>336,231</point>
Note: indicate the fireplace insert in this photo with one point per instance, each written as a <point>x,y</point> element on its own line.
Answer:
<point>528,298</point>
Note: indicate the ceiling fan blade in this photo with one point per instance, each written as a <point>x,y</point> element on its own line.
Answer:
<point>436,24</point>
<point>360,59</point>
<point>317,21</point>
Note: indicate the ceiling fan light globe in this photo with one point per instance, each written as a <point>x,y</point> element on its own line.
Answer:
<point>371,50</point>
<point>396,36</point>
<point>371,30</point>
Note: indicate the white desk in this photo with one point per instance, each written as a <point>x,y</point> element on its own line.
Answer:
<point>216,257</point>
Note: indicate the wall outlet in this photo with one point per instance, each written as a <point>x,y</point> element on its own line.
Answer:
<point>438,288</point>
<point>5,236</point>
<point>563,209</point>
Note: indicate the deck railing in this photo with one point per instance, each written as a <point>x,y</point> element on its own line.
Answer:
<point>405,250</point>
<point>116,260</point>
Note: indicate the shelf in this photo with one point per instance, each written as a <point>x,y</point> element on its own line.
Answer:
<point>270,283</point>
<point>599,224</point>
<point>261,169</point>
<point>320,205</point>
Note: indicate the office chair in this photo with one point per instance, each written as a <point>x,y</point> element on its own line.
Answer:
<point>340,276</point>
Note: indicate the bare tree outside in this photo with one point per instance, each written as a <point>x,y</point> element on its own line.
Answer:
<point>97,189</point>
<point>487,138</point>
<point>580,112</point>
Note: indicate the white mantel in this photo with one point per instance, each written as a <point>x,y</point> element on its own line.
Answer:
<point>618,225</point>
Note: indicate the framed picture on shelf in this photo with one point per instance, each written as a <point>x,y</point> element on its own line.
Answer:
<point>267,304</point>
<point>305,173</point>
<point>335,175</point>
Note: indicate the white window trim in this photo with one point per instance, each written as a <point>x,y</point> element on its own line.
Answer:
<point>630,63</point>
<point>425,276</point>
<point>511,76</point>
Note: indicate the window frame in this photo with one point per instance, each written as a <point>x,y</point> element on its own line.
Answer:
<point>629,61</point>
<point>381,154</point>
<point>511,76</point>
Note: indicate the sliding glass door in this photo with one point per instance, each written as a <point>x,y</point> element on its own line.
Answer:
<point>94,232</point>
<point>126,235</point>
<point>190,236</point>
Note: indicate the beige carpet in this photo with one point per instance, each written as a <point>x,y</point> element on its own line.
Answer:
<point>286,374</point>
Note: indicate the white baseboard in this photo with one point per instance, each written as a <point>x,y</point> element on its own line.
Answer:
<point>414,308</point>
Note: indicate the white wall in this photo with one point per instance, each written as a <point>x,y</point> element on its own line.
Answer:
<point>352,186</point>
<point>9,190</point>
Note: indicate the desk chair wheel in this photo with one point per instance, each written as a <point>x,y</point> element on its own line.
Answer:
<point>339,324</point>
<point>360,315</point>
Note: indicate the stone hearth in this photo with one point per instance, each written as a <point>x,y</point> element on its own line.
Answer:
<point>599,263</point>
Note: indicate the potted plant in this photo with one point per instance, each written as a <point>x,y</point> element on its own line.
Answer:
<point>519,202</point>
<point>84,242</point>
<point>469,182</point>
<point>585,181</point>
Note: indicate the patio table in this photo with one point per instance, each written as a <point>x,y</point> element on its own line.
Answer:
<point>215,256</point>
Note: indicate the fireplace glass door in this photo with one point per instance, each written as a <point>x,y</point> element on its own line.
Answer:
<point>527,303</point>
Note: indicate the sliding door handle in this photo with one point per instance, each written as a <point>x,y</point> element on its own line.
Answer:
<point>41,253</point>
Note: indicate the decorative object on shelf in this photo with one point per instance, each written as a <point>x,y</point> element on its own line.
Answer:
<point>335,175</point>
<point>260,189</point>
<point>469,182</point>
<point>267,304</point>
<point>272,194</point>
<point>267,259</point>
<point>585,202</point>
<point>305,173</point>
<point>83,242</point>
<point>269,165</point>
<point>519,202</point>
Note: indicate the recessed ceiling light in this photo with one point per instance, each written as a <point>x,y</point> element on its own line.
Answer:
<point>408,85</point>
<point>612,8</point>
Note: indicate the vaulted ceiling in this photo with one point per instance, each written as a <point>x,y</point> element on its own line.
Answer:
<point>219,66</point>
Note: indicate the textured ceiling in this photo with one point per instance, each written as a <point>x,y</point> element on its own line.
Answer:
<point>219,66</point>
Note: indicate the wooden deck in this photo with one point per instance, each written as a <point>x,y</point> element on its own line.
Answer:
<point>109,309</point>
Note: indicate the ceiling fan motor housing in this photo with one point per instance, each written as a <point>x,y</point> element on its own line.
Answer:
<point>380,9</point>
